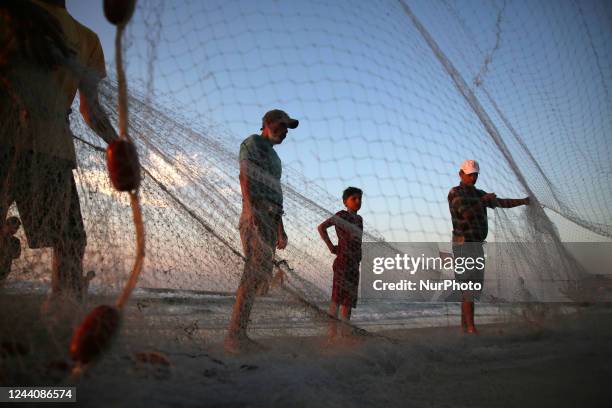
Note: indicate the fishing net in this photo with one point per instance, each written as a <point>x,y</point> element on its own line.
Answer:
<point>391,96</point>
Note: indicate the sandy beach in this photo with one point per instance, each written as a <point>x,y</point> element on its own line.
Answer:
<point>563,361</point>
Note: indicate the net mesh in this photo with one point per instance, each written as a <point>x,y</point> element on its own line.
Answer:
<point>391,97</point>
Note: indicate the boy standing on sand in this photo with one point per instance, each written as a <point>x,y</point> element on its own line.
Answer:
<point>349,229</point>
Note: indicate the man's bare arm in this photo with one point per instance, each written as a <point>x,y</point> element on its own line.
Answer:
<point>245,185</point>
<point>490,198</point>
<point>512,202</point>
<point>93,114</point>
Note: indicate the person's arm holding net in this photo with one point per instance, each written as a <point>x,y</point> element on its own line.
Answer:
<point>468,211</point>
<point>89,104</point>
<point>491,201</point>
<point>512,202</point>
<point>93,113</point>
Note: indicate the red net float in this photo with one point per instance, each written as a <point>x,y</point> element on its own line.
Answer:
<point>123,165</point>
<point>95,334</point>
<point>151,357</point>
<point>119,12</point>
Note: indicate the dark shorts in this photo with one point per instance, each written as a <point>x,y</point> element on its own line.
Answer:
<point>258,233</point>
<point>474,274</point>
<point>46,196</point>
<point>346,281</point>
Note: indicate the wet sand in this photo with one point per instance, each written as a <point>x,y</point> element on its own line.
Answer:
<point>562,362</point>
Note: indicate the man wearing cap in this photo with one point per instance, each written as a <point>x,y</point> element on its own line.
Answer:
<point>468,208</point>
<point>261,224</point>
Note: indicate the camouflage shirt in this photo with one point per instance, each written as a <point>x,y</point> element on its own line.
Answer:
<point>462,198</point>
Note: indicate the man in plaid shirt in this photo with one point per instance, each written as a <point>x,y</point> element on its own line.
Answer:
<point>468,208</point>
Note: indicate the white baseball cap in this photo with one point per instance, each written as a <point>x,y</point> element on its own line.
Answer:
<point>470,166</point>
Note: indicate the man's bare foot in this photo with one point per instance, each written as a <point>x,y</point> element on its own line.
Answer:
<point>240,344</point>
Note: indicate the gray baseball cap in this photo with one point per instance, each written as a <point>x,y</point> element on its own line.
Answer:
<point>278,115</point>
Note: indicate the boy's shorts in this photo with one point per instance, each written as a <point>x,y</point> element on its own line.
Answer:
<point>45,192</point>
<point>346,281</point>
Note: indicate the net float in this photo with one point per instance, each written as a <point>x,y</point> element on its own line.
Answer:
<point>152,357</point>
<point>95,334</point>
<point>119,12</point>
<point>123,165</point>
